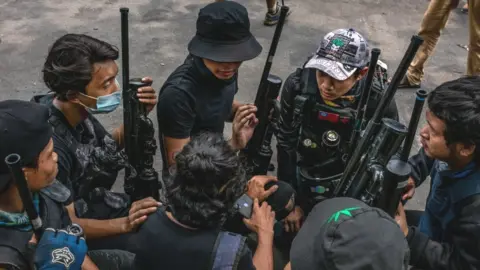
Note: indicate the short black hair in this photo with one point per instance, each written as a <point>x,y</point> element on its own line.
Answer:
<point>208,179</point>
<point>457,103</point>
<point>69,63</point>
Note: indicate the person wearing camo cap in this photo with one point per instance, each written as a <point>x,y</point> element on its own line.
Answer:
<point>318,105</point>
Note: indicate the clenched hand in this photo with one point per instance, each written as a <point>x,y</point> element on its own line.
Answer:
<point>139,211</point>
<point>147,95</point>
<point>243,125</point>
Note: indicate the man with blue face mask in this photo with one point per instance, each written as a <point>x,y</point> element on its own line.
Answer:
<point>81,71</point>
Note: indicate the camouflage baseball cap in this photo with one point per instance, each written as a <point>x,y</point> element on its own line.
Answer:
<point>340,54</point>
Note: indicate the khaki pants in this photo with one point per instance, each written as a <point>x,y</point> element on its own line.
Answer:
<point>473,65</point>
<point>433,23</point>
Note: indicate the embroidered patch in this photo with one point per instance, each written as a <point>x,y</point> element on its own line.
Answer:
<point>345,212</point>
<point>63,256</point>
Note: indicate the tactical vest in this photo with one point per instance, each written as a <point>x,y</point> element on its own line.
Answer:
<point>14,252</point>
<point>324,137</point>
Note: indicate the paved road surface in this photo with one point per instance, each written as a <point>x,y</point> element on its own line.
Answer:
<point>160,31</point>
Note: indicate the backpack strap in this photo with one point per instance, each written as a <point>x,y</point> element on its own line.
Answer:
<point>227,251</point>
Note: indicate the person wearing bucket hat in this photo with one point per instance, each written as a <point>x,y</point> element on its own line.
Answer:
<point>24,130</point>
<point>318,108</point>
<point>345,233</point>
<point>199,95</point>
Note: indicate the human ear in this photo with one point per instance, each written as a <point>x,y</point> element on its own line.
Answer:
<point>73,96</point>
<point>467,150</point>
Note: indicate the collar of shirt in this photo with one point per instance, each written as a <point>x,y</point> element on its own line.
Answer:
<point>445,172</point>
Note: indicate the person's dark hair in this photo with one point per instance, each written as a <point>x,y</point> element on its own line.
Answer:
<point>209,177</point>
<point>69,63</point>
<point>457,103</point>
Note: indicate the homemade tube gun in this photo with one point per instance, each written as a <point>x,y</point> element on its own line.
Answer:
<point>364,98</point>
<point>259,151</point>
<point>15,164</point>
<point>141,179</point>
<point>371,175</point>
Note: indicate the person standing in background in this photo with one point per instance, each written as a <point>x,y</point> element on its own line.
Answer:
<point>273,14</point>
<point>433,23</point>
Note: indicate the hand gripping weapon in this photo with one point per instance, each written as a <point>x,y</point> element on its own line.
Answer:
<point>258,150</point>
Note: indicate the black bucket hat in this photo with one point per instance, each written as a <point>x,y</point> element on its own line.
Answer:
<point>223,34</point>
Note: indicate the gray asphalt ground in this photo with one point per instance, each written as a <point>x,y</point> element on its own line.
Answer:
<point>161,29</point>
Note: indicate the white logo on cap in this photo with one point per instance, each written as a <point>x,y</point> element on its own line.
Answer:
<point>63,256</point>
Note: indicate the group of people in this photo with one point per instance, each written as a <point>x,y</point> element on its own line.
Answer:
<point>215,215</point>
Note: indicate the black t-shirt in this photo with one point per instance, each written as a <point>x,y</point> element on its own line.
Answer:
<point>193,100</point>
<point>162,244</point>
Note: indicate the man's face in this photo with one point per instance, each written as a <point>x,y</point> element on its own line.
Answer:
<point>222,70</point>
<point>46,170</point>
<point>331,88</point>
<point>102,83</point>
<point>433,140</point>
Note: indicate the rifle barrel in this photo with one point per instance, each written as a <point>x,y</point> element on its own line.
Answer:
<point>125,79</point>
<point>368,81</point>
<point>365,96</point>
<point>14,163</point>
<point>271,53</point>
<point>412,126</point>
<point>412,49</point>
<point>262,91</point>
<point>415,43</point>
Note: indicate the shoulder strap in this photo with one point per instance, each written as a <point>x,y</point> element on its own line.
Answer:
<point>227,251</point>
<point>62,132</point>
<point>305,77</point>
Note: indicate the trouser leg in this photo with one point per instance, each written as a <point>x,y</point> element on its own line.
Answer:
<point>473,62</point>
<point>433,23</point>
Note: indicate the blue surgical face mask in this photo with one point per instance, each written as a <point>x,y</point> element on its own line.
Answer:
<point>106,104</point>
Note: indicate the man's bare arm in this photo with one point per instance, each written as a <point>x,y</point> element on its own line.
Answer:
<point>94,228</point>
<point>118,136</point>
<point>137,214</point>
<point>173,146</point>
<point>88,264</point>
